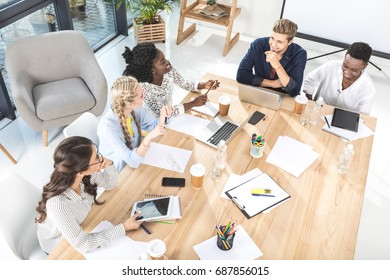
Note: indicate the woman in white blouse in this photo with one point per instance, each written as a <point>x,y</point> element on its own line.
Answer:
<point>67,199</point>
<point>157,78</point>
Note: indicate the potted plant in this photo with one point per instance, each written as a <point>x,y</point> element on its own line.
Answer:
<point>211,4</point>
<point>77,7</point>
<point>43,22</point>
<point>149,25</point>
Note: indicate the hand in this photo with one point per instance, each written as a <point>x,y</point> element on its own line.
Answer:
<point>165,112</point>
<point>272,58</point>
<point>106,162</point>
<point>199,100</point>
<point>214,83</point>
<point>131,223</point>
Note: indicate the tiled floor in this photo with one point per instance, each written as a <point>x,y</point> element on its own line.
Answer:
<point>197,55</point>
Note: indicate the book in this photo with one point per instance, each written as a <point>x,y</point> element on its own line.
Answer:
<point>250,203</point>
<point>217,13</point>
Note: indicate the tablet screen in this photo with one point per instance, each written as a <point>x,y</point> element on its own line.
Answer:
<point>153,209</point>
<point>345,119</point>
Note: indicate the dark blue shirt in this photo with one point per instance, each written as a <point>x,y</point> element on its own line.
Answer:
<point>293,62</point>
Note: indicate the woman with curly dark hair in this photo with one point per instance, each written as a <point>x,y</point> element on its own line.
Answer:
<point>157,76</point>
<point>67,199</point>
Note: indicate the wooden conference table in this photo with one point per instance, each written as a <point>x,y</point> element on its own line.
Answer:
<point>319,221</point>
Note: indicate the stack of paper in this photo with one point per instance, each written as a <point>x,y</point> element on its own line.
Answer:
<point>170,158</point>
<point>243,248</point>
<point>363,130</point>
<point>292,155</point>
<point>210,109</point>
<point>123,248</point>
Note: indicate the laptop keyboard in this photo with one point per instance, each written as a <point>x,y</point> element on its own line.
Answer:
<point>223,133</point>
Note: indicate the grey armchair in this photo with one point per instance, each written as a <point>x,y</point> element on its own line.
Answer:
<point>55,78</point>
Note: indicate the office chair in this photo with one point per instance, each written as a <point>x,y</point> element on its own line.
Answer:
<point>85,125</point>
<point>55,78</point>
<point>17,214</point>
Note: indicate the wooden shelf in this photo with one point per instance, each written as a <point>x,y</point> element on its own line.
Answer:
<point>193,12</point>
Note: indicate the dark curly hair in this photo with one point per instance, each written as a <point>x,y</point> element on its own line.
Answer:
<point>140,61</point>
<point>71,156</point>
<point>360,50</point>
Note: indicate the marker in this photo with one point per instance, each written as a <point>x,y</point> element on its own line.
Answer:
<point>166,120</point>
<point>327,123</point>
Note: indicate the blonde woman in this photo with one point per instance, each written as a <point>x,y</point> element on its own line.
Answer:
<point>120,129</point>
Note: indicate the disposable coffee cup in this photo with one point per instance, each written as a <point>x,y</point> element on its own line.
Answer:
<point>300,103</point>
<point>156,249</point>
<point>224,104</point>
<point>197,174</point>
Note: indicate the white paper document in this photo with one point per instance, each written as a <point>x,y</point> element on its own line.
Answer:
<point>167,157</point>
<point>244,248</point>
<point>123,248</point>
<point>363,130</point>
<point>292,155</point>
<point>234,180</point>
<point>188,124</point>
<point>210,109</point>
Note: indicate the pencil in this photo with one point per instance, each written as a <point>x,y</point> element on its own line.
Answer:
<point>327,123</point>
<point>145,229</point>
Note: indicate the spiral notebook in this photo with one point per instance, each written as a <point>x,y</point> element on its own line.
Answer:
<point>251,204</point>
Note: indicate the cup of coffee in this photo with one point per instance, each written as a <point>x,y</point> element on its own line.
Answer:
<point>197,174</point>
<point>224,104</point>
<point>300,103</point>
<point>156,249</point>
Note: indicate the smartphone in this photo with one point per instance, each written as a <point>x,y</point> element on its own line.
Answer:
<point>256,117</point>
<point>173,182</point>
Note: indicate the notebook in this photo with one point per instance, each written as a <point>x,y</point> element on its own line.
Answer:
<point>260,96</point>
<point>219,129</point>
<point>345,119</point>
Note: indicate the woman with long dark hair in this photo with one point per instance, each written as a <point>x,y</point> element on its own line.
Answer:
<point>67,199</point>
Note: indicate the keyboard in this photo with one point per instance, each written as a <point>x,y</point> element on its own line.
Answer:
<point>223,133</point>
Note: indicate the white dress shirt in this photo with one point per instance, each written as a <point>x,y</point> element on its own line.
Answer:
<point>357,97</point>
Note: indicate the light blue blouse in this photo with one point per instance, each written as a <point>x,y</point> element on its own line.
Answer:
<point>112,142</point>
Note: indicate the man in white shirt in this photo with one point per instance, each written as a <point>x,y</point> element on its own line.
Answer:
<point>345,83</point>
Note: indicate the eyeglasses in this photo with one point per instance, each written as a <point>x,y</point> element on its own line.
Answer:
<point>99,159</point>
<point>353,71</point>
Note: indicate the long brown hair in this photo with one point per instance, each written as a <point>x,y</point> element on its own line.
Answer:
<point>71,156</point>
<point>123,91</point>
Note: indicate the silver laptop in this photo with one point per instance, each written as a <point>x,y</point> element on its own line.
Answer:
<point>218,129</point>
<point>260,96</point>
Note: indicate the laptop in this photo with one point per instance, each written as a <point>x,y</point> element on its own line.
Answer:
<point>219,129</point>
<point>260,96</point>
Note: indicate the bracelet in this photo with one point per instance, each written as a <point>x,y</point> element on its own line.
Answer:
<point>276,70</point>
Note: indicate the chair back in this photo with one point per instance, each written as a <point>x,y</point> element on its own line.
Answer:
<point>17,216</point>
<point>85,125</point>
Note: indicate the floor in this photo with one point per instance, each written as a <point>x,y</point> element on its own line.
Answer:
<point>197,55</point>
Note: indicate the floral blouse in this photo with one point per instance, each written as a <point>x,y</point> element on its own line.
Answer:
<point>158,96</point>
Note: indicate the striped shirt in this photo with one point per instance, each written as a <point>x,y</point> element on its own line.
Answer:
<point>66,212</point>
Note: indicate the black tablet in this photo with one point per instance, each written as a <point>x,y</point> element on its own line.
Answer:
<point>153,209</point>
<point>345,119</point>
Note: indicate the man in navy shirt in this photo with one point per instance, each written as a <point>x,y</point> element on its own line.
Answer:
<point>275,61</point>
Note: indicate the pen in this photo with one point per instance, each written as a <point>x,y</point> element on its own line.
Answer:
<point>209,88</point>
<point>166,120</point>
<point>327,123</point>
<point>145,229</point>
<point>258,194</point>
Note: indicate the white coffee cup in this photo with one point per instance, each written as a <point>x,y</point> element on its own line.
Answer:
<point>197,174</point>
<point>224,104</point>
<point>300,103</point>
<point>156,249</point>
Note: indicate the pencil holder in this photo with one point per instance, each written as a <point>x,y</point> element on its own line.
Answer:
<point>257,149</point>
<point>225,243</point>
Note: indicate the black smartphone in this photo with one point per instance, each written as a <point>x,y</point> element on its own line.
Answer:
<point>173,182</point>
<point>256,117</point>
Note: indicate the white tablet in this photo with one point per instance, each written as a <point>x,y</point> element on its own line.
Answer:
<point>153,209</point>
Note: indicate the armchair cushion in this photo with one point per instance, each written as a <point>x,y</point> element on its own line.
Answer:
<point>62,98</point>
